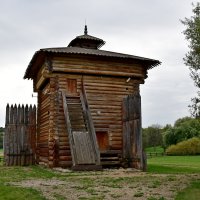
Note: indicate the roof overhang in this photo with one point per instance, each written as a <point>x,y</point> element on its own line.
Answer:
<point>40,56</point>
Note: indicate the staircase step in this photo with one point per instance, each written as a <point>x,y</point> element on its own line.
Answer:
<point>74,103</point>
<point>109,158</point>
<point>74,106</point>
<point>78,127</point>
<point>110,163</point>
<point>73,112</point>
<point>79,130</point>
<point>77,121</point>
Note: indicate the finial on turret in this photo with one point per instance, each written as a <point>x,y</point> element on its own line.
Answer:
<point>85,31</point>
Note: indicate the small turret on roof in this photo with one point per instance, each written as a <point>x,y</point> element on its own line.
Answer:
<point>86,41</point>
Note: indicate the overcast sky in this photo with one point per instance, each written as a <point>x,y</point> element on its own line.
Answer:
<point>148,28</point>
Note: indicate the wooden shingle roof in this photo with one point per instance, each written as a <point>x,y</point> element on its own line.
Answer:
<point>84,45</point>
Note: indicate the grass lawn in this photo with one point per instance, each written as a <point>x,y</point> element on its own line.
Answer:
<point>157,149</point>
<point>1,156</point>
<point>161,182</point>
<point>179,165</point>
<point>16,193</point>
<point>190,193</point>
<point>174,164</point>
<point>1,151</point>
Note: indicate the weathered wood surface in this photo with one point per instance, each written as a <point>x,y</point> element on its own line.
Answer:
<point>89,123</point>
<point>106,84</point>
<point>20,135</point>
<point>81,138</point>
<point>104,96</point>
<point>43,125</point>
<point>132,136</point>
<point>100,67</point>
<point>84,150</point>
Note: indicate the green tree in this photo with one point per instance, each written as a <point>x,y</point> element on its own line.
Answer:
<point>184,128</point>
<point>144,138</point>
<point>192,58</point>
<point>181,121</point>
<point>169,137</point>
<point>152,136</point>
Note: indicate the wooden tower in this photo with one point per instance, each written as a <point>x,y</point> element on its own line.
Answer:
<point>89,107</point>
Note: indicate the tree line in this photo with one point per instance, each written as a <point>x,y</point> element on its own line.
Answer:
<point>182,130</point>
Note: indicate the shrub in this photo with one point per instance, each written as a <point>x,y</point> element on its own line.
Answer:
<point>188,147</point>
<point>184,129</point>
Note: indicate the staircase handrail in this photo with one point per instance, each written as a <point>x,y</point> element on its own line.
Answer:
<point>90,123</point>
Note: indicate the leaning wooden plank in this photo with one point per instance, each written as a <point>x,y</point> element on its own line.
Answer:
<point>84,150</point>
<point>90,123</point>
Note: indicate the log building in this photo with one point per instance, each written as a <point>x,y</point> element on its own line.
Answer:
<point>89,107</point>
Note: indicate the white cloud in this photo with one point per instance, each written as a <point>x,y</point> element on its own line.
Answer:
<point>139,27</point>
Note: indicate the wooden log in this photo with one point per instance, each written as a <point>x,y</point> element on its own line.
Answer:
<point>95,72</point>
<point>65,164</point>
<point>64,152</point>
<point>65,158</point>
<point>7,115</point>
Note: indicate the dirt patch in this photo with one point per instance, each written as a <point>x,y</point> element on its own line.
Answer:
<point>110,184</point>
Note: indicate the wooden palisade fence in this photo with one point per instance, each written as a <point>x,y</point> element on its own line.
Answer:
<point>20,135</point>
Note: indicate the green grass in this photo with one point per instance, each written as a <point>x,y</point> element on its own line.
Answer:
<point>1,157</point>
<point>15,193</point>
<point>174,164</point>
<point>1,151</point>
<point>192,192</point>
<point>178,165</point>
<point>99,185</point>
<point>157,149</point>
<point>8,174</point>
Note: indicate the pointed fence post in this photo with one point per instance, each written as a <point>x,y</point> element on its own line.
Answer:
<point>20,135</point>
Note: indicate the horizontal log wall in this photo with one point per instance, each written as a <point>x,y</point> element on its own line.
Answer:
<point>100,67</point>
<point>106,85</point>
<point>105,97</point>
<point>20,135</point>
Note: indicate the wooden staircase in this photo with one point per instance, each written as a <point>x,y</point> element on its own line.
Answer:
<point>110,159</point>
<point>82,137</point>
<point>76,117</point>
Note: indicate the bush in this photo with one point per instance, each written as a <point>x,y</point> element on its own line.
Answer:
<point>188,147</point>
<point>184,129</point>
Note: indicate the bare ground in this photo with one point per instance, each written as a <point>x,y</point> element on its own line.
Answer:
<point>110,184</point>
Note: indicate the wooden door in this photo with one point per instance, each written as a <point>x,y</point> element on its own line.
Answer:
<point>72,86</point>
<point>103,140</point>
